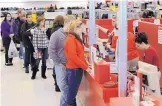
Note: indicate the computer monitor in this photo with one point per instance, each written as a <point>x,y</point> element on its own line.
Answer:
<point>101,49</point>
<point>153,77</point>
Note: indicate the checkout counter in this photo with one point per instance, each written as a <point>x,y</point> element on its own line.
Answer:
<point>92,91</point>
<point>96,91</point>
<point>99,85</point>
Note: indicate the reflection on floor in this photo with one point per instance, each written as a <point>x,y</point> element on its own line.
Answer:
<point>17,89</point>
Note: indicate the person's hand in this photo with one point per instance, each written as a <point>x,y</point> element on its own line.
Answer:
<point>63,67</point>
<point>11,35</point>
<point>32,31</point>
<point>89,67</point>
<point>87,62</point>
<point>107,45</point>
<point>88,70</point>
<point>35,53</point>
<point>36,50</point>
<point>97,26</point>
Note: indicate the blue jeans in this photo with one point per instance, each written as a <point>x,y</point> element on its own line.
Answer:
<point>74,80</point>
<point>22,51</point>
<point>61,77</point>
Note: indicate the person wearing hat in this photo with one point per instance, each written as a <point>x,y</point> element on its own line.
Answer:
<point>56,52</point>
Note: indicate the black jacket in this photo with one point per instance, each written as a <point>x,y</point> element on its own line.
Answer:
<point>48,32</point>
<point>19,23</point>
<point>27,36</point>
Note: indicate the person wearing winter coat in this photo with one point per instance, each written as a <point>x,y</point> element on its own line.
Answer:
<point>8,29</point>
<point>56,52</point>
<point>18,37</point>
<point>27,40</point>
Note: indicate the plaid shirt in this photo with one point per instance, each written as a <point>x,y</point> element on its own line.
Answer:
<point>40,39</point>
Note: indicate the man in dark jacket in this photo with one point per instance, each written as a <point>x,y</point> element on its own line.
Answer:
<point>27,40</point>
<point>18,37</point>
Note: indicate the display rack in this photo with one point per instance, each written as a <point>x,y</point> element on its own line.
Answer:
<point>82,13</point>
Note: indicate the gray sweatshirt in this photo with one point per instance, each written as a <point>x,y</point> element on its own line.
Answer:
<point>56,47</point>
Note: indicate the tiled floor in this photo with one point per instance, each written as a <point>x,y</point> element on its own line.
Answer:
<point>17,89</point>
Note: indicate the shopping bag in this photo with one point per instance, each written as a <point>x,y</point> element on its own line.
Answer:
<point>49,63</point>
<point>12,52</point>
<point>37,54</point>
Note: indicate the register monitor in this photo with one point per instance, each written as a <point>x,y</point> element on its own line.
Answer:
<point>101,49</point>
<point>153,77</point>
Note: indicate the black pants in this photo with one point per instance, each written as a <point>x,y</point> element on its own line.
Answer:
<point>6,44</point>
<point>29,59</point>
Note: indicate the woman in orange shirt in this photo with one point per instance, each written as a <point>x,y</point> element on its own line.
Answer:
<point>132,53</point>
<point>76,63</point>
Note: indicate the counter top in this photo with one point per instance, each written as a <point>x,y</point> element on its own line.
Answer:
<point>91,93</point>
<point>127,101</point>
<point>123,101</point>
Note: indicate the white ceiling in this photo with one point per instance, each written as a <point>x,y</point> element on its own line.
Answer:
<point>36,0</point>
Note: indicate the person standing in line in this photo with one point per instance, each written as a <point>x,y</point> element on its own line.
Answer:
<point>56,26</point>
<point>19,21</point>
<point>49,32</point>
<point>8,29</point>
<point>27,40</point>
<point>76,63</point>
<point>56,52</point>
<point>40,43</point>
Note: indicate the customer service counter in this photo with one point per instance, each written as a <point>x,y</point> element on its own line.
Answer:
<point>91,93</point>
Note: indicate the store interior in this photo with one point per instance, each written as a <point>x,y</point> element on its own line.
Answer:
<point>112,79</point>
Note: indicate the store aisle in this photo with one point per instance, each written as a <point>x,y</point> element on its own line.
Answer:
<point>17,89</point>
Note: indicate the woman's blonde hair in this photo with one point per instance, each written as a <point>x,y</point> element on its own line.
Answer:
<point>68,19</point>
<point>74,24</point>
